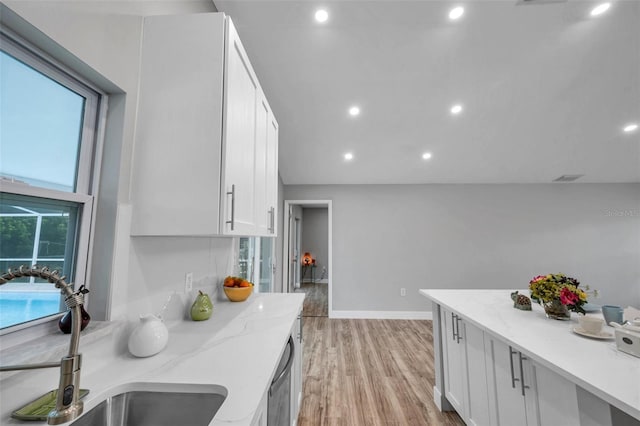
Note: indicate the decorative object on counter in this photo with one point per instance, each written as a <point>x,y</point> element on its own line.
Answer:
<point>591,324</point>
<point>520,301</point>
<point>149,337</point>
<point>202,307</point>
<point>591,307</point>
<point>627,338</point>
<point>558,294</point>
<point>237,289</point>
<point>612,313</point>
<point>602,335</point>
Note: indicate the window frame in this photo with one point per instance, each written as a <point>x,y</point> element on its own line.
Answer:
<point>88,164</point>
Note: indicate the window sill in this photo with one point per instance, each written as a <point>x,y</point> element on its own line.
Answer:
<point>51,347</point>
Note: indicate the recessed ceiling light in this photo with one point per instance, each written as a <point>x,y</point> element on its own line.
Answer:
<point>321,15</point>
<point>426,155</point>
<point>456,13</point>
<point>354,110</point>
<point>348,156</point>
<point>600,9</point>
<point>456,109</point>
<point>631,127</point>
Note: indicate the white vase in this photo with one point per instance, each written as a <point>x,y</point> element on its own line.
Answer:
<point>149,337</point>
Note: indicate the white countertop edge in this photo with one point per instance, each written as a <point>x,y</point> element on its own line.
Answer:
<point>616,399</point>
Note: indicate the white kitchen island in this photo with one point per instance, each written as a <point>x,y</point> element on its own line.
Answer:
<point>497,365</point>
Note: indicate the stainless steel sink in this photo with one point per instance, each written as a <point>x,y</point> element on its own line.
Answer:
<point>158,405</point>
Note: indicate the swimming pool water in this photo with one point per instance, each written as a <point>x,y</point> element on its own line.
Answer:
<point>19,307</point>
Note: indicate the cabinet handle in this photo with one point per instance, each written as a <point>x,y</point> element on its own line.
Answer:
<point>513,376</point>
<point>233,205</point>
<point>287,367</point>
<point>459,336</point>
<point>522,385</point>
<point>272,221</point>
<point>453,326</point>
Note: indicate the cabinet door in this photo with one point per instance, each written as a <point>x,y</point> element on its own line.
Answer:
<point>241,97</point>
<point>454,368</point>
<point>296,382</point>
<point>175,184</point>
<point>557,399</point>
<point>477,400</point>
<point>272,174</point>
<point>262,208</point>
<point>505,392</point>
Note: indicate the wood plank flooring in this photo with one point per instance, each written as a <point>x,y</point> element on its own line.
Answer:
<point>316,299</point>
<point>369,372</point>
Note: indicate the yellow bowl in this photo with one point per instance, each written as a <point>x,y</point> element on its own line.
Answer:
<point>238,294</point>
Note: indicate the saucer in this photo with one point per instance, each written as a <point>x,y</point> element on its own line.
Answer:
<point>603,335</point>
<point>591,307</point>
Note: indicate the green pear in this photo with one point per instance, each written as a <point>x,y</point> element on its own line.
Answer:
<point>202,308</point>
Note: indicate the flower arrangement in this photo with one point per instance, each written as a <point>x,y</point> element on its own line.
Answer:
<point>558,288</point>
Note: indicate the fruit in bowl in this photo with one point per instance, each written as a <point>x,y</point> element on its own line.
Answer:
<point>237,289</point>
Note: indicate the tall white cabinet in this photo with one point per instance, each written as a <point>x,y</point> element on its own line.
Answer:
<point>205,159</point>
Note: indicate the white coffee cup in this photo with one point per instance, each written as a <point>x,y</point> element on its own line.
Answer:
<point>592,325</point>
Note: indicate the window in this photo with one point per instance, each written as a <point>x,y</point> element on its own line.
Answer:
<point>48,133</point>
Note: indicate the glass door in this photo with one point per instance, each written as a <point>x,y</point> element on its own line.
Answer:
<point>256,262</point>
<point>267,265</point>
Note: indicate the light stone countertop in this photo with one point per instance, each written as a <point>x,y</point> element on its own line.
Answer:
<point>595,365</point>
<point>238,348</point>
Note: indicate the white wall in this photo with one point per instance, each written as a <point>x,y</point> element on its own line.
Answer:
<point>101,40</point>
<point>478,236</point>
<point>315,238</point>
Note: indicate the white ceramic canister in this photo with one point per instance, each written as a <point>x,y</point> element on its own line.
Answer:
<point>149,337</point>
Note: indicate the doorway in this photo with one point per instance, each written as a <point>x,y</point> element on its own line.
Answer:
<point>306,271</point>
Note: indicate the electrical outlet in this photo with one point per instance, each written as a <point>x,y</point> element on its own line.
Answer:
<point>403,292</point>
<point>188,282</point>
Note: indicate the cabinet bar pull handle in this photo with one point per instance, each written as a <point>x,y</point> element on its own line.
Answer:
<point>453,326</point>
<point>458,337</point>
<point>522,385</point>
<point>513,376</point>
<point>272,220</point>
<point>233,205</point>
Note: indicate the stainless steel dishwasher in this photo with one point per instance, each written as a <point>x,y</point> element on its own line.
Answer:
<point>279,408</point>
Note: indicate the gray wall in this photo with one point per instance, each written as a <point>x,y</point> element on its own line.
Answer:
<point>478,236</point>
<point>315,238</point>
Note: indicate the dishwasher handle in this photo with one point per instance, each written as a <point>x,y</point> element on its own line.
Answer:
<point>289,361</point>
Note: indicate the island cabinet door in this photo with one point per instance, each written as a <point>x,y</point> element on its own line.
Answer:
<point>556,399</point>
<point>505,388</point>
<point>454,361</point>
<point>477,399</point>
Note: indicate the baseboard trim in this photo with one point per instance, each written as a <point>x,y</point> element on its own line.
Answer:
<point>322,281</point>
<point>407,315</point>
<point>437,398</point>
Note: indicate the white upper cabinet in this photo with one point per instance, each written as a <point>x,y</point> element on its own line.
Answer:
<point>200,162</point>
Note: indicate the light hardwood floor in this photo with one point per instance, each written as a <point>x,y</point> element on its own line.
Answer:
<point>369,372</point>
<point>316,299</point>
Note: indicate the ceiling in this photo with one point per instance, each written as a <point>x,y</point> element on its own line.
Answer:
<point>546,89</point>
